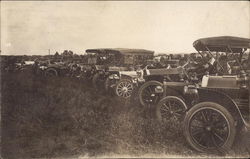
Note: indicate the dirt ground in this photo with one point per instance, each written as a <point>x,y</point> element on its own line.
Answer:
<point>64,117</point>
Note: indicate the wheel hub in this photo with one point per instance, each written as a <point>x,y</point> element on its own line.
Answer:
<point>125,89</point>
<point>208,128</point>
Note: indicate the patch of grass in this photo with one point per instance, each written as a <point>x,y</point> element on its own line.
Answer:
<point>65,117</point>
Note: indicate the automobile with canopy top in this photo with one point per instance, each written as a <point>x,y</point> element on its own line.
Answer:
<point>111,61</point>
<point>220,107</point>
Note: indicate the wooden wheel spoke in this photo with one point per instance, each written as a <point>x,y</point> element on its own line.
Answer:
<point>214,141</point>
<point>130,90</point>
<point>165,106</point>
<point>201,137</point>
<point>179,111</point>
<point>169,105</point>
<point>164,109</point>
<point>203,116</point>
<point>220,124</point>
<point>209,115</point>
<point>177,114</point>
<point>197,131</point>
<point>150,90</point>
<point>119,86</point>
<point>165,114</point>
<point>146,92</point>
<point>122,84</point>
<point>126,94</point>
<point>218,136</point>
<point>173,104</point>
<point>197,126</point>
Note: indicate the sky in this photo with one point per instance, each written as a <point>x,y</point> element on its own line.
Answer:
<point>33,27</point>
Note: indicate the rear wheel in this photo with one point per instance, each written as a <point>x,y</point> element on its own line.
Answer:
<point>124,88</point>
<point>50,72</point>
<point>147,94</point>
<point>170,108</point>
<point>209,127</point>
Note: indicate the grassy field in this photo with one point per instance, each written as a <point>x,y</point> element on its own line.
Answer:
<point>64,117</point>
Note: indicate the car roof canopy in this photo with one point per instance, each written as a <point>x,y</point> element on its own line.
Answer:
<point>222,44</point>
<point>122,51</point>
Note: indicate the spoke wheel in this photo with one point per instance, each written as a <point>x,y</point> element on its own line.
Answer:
<point>147,94</point>
<point>170,108</point>
<point>124,88</point>
<point>209,127</point>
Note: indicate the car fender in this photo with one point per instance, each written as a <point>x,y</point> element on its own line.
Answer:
<point>212,95</point>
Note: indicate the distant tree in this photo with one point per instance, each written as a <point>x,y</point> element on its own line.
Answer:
<point>56,55</point>
<point>67,53</point>
<point>70,53</point>
<point>76,56</point>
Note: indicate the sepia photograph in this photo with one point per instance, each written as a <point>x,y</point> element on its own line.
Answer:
<point>124,79</point>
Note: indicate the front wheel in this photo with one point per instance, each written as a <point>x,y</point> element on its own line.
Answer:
<point>209,127</point>
<point>50,72</point>
<point>170,108</point>
<point>147,94</point>
<point>124,88</point>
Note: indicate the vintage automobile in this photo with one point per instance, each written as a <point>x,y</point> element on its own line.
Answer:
<point>50,68</point>
<point>154,77</point>
<point>11,63</point>
<point>214,62</point>
<point>89,66</point>
<point>56,69</point>
<point>126,81</point>
<point>110,63</point>
<point>220,107</point>
<point>154,72</point>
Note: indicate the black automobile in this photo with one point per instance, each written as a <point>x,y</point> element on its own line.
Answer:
<point>220,107</point>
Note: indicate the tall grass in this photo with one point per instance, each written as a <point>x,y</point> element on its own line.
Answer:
<point>65,117</point>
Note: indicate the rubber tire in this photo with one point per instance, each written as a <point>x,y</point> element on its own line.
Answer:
<point>228,144</point>
<point>122,80</point>
<point>51,70</point>
<point>145,85</point>
<point>163,100</point>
